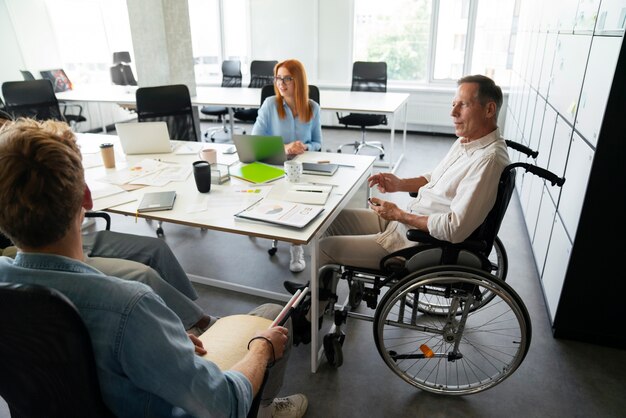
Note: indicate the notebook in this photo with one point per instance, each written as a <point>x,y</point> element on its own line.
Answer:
<point>319,169</point>
<point>279,212</point>
<point>144,137</point>
<point>267,149</point>
<point>256,172</point>
<point>157,201</point>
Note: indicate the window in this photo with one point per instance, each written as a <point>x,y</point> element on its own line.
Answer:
<point>218,32</point>
<point>436,40</point>
<point>87,33</point>
<point>395,31</point>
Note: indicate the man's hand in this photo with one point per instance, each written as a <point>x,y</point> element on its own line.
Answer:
<point>386,182</point>
<point>295,147</point>
<point>278,338</point>
<point>385,209</point>
<point>197,345</point>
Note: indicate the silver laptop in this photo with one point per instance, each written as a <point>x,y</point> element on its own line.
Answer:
<point>144,137</point>
<point>266,149</point>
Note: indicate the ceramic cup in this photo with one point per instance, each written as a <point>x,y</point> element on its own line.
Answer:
<point>108,155</point>
<point>202,175</point>
<point>293,171</point>
<point>209,155</point>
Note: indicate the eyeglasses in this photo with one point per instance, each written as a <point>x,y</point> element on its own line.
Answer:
<point>285,80</point>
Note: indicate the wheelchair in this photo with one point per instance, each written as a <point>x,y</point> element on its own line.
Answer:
<point>447,322</point>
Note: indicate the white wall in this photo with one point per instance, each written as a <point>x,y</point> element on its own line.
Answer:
<point>11,56</point>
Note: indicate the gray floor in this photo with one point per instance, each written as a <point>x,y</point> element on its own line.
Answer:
<point>558,377</point>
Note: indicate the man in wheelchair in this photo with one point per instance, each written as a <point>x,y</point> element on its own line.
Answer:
<point>452,201</point>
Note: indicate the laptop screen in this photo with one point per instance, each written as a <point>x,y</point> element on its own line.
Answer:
<point>266,149</point>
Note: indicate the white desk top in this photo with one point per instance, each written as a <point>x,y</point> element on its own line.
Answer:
<point>333,100</point>
<point>221,207</point>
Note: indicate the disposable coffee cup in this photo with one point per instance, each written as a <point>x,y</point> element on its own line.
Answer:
<point>202,175</point>
<point>293,171</point>
<point>209,155</point>
<point>108,155</point>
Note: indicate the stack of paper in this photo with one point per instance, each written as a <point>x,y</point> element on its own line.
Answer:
<point>282,213</point>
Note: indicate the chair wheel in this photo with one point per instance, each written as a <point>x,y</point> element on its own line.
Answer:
<point>159,232</point>
<point>339,151</point>
<point>333,349</point>
<point>381,156</point>
<point>356,294</point>
<point>272,251</point>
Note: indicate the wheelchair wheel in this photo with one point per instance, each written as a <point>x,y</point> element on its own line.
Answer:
<point>435,304</point>
<point>499,260</point>
<point>333,350</point>
<point>462,352</point>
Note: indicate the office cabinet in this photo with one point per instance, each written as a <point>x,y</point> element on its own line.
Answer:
<point>595,91</point>
<point>575,121</point>
<point>555,268</point>
<point>573,191</point>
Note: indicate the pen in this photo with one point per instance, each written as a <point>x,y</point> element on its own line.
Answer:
<point>309,191</point>
<point>340,165</point>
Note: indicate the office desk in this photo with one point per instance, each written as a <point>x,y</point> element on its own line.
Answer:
<point>390,104</point>
<point>347,180</point>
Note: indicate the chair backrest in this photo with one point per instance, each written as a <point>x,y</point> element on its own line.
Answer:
<point>369,76</point>
<point>268,90</point>
<point>231,73</point>
<point>31,99</point>
<point>261,73</point>
<point>27,75</point>
<point>121,57</point>
<point>171,104</point>
<point>46,358</point>
<point>122,75</point>
<point>59,79</point>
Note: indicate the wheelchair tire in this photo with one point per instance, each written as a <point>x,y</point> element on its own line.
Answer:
<point>499,260</point>
<point>464,352</point>
<point>333,350</point>
<point>356,293</point>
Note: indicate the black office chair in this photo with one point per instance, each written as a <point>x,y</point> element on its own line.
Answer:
<point>267,91</point>
<point>61,83</point>
<point>366,76</point>
<point>27,75</point>
<point>171,104</point>
<point>231,77</point>
<point>121,71</point>
<point>261,74</point>
<point>46,357</point>
<point>31,99</point>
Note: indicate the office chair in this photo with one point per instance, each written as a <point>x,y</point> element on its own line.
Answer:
<point>171,104</point>
<point>261,74</point>
<point>27,75</point>
<point>46,357</point>
<point>267,91</point>
<point>231,77</point>
<point>366,76</point>
<point>61,83</point>
<point>31,99</point>
<point>121,71</point>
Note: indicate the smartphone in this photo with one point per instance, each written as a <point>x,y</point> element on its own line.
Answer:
<point>373,203</point>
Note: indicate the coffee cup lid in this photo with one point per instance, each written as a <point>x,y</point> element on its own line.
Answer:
<point>106,145</point>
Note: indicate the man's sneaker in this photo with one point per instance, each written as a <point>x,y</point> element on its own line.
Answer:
<point>293,406</point>
<point>297,263</point>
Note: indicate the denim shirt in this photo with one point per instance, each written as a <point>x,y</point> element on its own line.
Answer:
<point>145,360</point>
<point>291,129</point>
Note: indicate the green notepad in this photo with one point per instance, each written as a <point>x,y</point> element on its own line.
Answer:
<point>257,172</point>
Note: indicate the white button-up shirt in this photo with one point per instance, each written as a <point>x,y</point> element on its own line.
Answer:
<point>459,194</point>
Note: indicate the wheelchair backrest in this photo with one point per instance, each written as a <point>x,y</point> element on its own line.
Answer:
<point>488,230</point>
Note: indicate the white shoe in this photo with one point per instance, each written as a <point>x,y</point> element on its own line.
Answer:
<point>293,406</point>
<point>297,263</point>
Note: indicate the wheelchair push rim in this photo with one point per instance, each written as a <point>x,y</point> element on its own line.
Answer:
<point>464,352</point>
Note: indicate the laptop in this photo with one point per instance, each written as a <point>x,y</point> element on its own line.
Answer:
<point>262,148</point>
<point>144,137</point>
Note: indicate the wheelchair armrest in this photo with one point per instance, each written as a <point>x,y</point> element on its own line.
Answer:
<point>425,238</point>
<point>102,215</point>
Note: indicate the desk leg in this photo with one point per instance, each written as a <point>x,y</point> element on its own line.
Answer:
<point>231,122</point>
<point>104,125</point>
<point>314,245</point>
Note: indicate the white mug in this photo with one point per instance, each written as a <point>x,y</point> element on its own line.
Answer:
<point>209,155</point>
<point>293,171</point>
